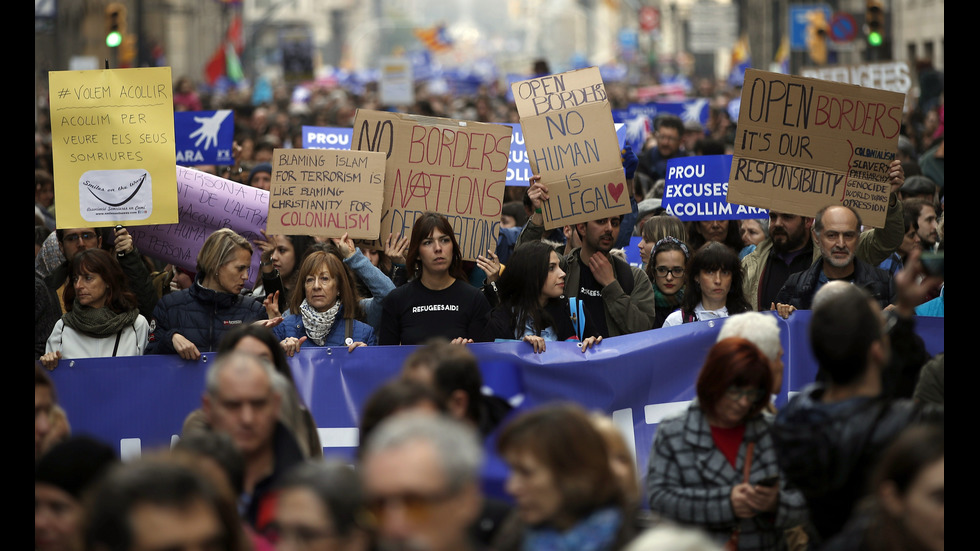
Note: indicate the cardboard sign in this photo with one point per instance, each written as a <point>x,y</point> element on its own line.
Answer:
<point>113,142</point>
<point>326,137</point>
<point>326,192</point>
<point>455,168</point>
<point>519,169</point>
<point>205,203</point>
<point>696,189</point>
<point>803,144</point>
<point>204,137</point>
<point>893,75</point>
<point>571,143</point>
<point>396,85</point>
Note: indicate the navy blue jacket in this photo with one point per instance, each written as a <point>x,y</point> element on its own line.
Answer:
<point>200,315</point>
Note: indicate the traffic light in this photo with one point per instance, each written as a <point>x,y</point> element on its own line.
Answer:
<point>115,24</point>
<point>874,18</point>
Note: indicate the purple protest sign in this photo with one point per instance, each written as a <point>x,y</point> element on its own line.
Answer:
<point>205,203</point>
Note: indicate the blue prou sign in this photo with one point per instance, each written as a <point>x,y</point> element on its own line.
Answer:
<point>326,137</point>
<point>697,189</point>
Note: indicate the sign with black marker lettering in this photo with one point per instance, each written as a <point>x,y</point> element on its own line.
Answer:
<point>456,168</point>
<point>326,192</point>
<point>113,141</point>
<point>572,144</point>
<point>804,143</point>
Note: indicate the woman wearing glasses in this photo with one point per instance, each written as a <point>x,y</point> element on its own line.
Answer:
<point>194,320</point>
<point>714,465</point>
<point>714,286</point>
<point>666,270</point>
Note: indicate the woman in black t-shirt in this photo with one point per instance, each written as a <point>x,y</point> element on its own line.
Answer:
<point>437,302</point>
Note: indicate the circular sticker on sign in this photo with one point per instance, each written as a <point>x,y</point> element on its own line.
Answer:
<point>349,341</point>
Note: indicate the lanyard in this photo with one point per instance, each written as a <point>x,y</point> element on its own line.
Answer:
<point>577,308</point>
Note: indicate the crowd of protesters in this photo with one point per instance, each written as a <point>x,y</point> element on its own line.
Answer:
<point>854,462</point>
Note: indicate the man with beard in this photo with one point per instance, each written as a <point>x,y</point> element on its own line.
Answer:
<point>617,298</point>
<point>789,250</point>
<point>835,229</point>
<point>925,222</point>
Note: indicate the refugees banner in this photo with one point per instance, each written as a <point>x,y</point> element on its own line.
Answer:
<point>803,144</point>
<point>456,168</point>
<point>696,189</point>
<point>572,144</point>
<point>326,193</point>
<point>112,135</point>
<point>205,203</point>
<point>140,403</point>
<point>204,137</point>
<point>891,75</point>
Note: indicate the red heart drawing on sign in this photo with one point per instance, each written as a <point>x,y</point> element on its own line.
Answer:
<point>615,190</point>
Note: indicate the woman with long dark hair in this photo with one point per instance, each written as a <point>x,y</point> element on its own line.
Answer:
<point>714,286</point>
<point>438,301</point>
<point>715,465</point>
<point>102,317</point>
<point>282,255</point>
<point>668,259</point>
<point>533,306</point>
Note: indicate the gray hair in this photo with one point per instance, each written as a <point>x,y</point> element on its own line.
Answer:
<point>238,359</point>
<point>760,329</point>
<point>456,444</point>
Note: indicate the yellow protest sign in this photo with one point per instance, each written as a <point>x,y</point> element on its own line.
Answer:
<point>571,143</point>
<point>803,144</point>
<point>326,192</point>
<point>113,144</point>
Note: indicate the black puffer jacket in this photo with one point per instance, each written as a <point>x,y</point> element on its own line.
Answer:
<point>201,315</point>
<point>800,287</point>
<point>828,450</point>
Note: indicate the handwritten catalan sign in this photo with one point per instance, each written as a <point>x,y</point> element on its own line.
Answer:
<point>803,144</point>
<point>456,168</point>
<point>696,189</point>
<point>113,141</point>
<point>891,75</point>
<point>571,143</point>
<point>205,203</point>
<point>326,192</point>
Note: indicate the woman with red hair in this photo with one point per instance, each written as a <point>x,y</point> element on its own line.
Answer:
<point>714,466</point>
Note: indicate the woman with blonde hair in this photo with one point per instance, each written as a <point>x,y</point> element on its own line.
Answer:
<point>194,320</point>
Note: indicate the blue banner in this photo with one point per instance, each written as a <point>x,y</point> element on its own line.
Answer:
<point>639,117</point>
<point>326,137</point>
<point>204,137</point>
<point>140,403</point>
<point>697,189</point>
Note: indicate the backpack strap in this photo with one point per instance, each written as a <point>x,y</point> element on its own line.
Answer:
<point>624,275</point>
